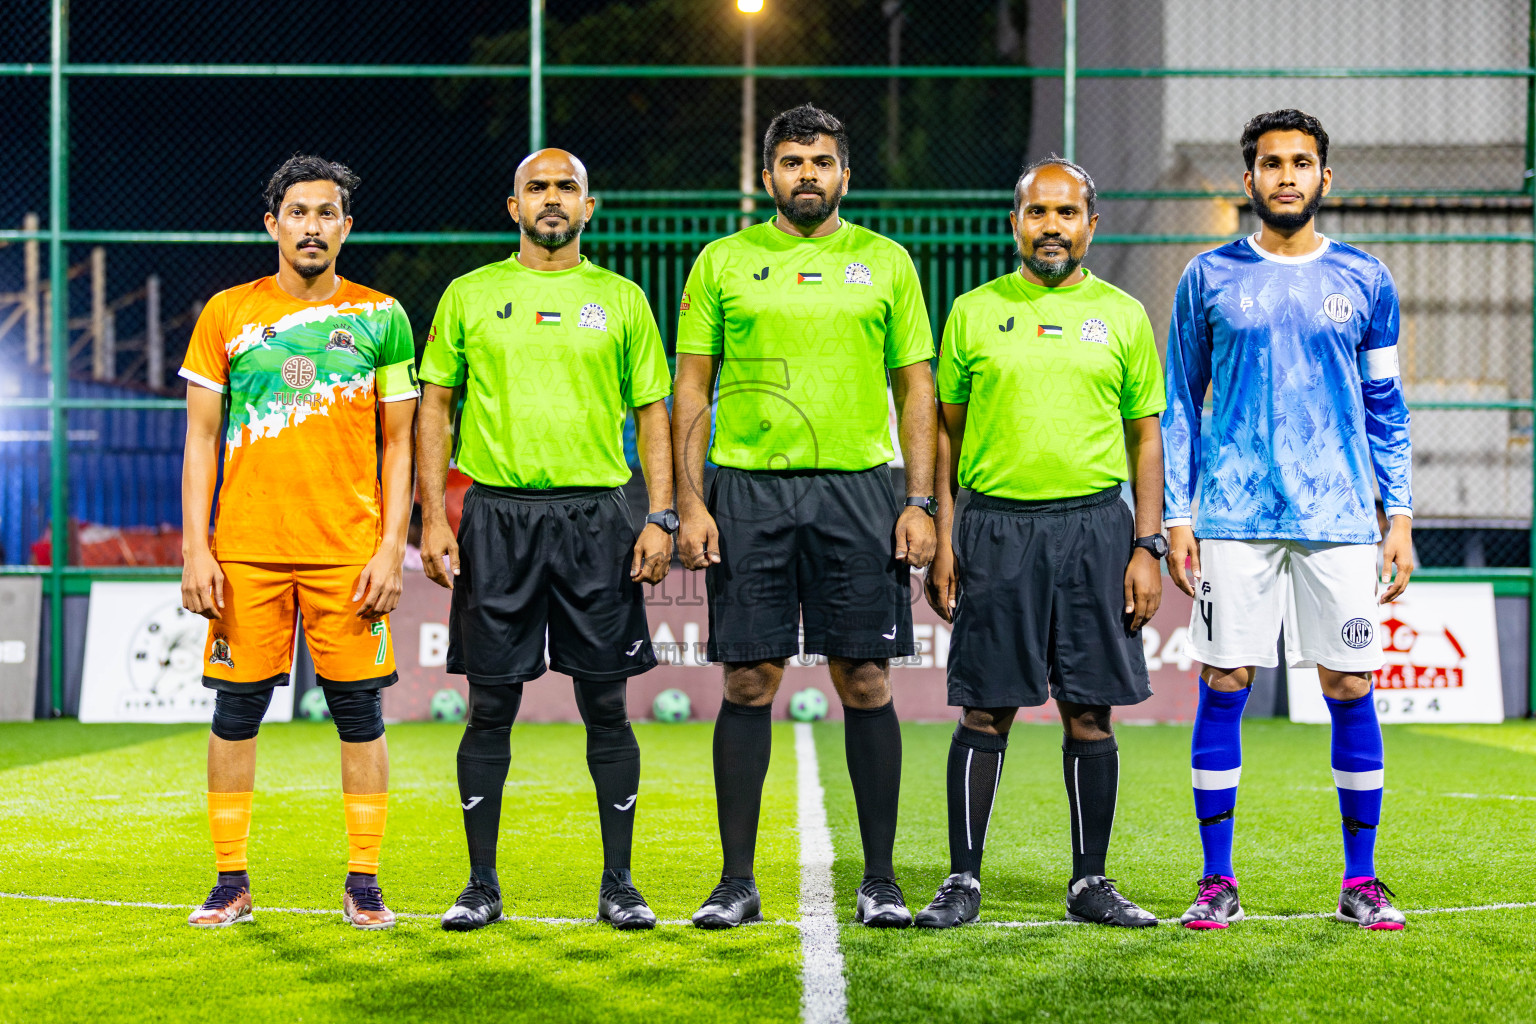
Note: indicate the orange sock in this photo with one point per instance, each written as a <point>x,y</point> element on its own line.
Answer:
<point>365,830</point>
<point>229,822</point>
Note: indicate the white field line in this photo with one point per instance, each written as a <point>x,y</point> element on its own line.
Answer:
<point>823,990</point>
<point>802,925</point>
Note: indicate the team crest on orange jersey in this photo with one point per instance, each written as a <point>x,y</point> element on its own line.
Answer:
<point>220,654</point>
<point>340,339</point>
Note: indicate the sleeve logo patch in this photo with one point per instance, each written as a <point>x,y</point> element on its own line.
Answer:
<point>1096,331</point>
<point>857,273</point>
<point>593,316</point>
<point>340,339</point>
<point>683,306</point>
<point>1338,308</point>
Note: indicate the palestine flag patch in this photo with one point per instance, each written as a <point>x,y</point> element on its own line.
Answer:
<point>810,278</point>
<point>554,318</point>
<point>1043,331</point>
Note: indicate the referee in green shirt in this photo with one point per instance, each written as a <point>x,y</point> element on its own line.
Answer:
<point>1048,379</point>
<point>799,322</point>
<point>552,352</point>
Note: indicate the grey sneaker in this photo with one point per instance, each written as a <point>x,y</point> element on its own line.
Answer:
<point>1215,905</point>
<point>1368,906</point>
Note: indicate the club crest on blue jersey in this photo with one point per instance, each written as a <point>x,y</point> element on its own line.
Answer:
<point>593,316</point>
<point>1338,308</point>
<point>857,273</point>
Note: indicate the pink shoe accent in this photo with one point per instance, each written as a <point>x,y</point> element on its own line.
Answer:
<point>1350,883</point>
<point>1206,924</point>
<point>1384,926</point>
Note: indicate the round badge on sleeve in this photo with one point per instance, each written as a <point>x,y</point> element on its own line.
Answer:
<point>1357,633</point>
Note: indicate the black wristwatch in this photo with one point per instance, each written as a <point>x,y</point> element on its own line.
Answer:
<point>666,519</point>
<point>929,504</point>
<point>1157,544</point>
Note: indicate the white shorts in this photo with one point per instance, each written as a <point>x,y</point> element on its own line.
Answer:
<point>1324,593</point>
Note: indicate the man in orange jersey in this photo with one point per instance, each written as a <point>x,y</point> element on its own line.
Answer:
<point>307,366</point>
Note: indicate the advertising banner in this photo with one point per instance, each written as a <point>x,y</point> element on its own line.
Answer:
<point>21,607</point>
<point>144,659</point>
<point>1442,660</point>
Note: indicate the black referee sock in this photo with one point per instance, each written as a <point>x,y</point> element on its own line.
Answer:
<point>975,768</point>
<point>743,744</point>
<point>484,754</point>
<point>1091,769</point>
<point>872,741</point>
<point>613,759</point>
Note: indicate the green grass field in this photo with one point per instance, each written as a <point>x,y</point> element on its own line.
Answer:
<point>115,813</point>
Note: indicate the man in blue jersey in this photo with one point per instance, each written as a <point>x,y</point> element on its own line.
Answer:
<point>1297,336</point>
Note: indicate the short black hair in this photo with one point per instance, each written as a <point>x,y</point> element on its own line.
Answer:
<point>803,124</point>
<point>1056,161</point>
<point>304,167</point>
<point>1287,120</point>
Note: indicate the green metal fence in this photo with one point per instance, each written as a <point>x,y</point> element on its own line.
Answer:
<point>958,235</point>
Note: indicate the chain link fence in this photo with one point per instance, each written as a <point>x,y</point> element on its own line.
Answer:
<point>1428,102</point>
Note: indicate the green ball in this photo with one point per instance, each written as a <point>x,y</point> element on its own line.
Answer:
<point>447,706</point>
<point>313,707</point>
<point>809,705</point>
<point>672,706</point>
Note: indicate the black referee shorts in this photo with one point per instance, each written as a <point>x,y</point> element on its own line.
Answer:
<point>557,559</point>
<point>1042,604</point>
<point>812,545</point>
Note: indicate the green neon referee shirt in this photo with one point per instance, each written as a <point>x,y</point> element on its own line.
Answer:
<point>554,361</point>
<point>1048,375</point>
<point>805,329</point>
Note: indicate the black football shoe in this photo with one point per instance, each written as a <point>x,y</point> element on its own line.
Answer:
<point>958,902</point>
<point>620,903</point>
<point>1368,906</point>
<point>735,901</point>
<point>477,906</point>
<point>1215,905</point>
<point>1095,900</point>
<point>881,904</point>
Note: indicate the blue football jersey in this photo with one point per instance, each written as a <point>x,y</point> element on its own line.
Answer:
<point>1301,353</point>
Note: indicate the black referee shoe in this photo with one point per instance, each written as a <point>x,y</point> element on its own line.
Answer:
<point>881,904</point>
<point>477,906</point>
<point>1094,900</point>
<point>735,901</point>
<point>620,903</point>
<point>958,902</point>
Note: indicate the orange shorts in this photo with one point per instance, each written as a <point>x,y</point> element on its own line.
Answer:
<point>253,643</point>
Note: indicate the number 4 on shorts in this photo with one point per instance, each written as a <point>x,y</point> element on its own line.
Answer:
<point>382,632</point>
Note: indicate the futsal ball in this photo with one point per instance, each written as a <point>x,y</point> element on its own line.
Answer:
<point>447,706</point>
<point>313,707</point>
<point>672,706</point>
<point>809,705</point>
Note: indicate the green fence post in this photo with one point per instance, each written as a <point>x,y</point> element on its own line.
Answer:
<point>535,75</point>
<point>1069,80</point>
<point>58,301</point>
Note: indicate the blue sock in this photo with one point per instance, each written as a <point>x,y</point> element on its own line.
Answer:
<point>1357,772</point>
<point>1217,759</point>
